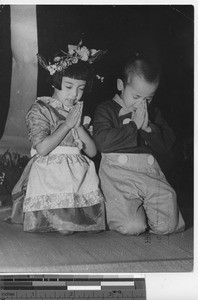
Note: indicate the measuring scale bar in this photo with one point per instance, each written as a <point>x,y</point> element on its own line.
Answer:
<point>79,288</point>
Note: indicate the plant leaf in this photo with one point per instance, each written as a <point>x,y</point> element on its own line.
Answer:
<point>42,61</point>
<point>98,55</point>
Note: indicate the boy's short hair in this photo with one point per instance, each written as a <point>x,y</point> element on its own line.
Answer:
<point>81,71</point>
<point>147,68</point>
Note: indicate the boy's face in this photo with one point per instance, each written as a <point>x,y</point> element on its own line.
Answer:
<point>136,90</point>
<point>71,91</point>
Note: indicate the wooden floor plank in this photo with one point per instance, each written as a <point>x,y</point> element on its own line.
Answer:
<point>82,252</point>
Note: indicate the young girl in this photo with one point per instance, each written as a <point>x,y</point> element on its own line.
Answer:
<point>59,188</point>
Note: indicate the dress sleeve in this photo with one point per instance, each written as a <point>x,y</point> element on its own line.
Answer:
<point>109,135</point>
<point>38,123</point>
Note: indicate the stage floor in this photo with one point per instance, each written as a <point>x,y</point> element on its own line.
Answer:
<point>102,252</point>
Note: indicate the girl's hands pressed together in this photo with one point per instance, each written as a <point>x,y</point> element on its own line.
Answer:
<point>78,123</point>
<point>74,116</point>
<point>53,140</point>
<point>88,143</point>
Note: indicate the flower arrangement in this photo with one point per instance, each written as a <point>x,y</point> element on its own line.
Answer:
<point>11,167</point>
<point>75,53</point>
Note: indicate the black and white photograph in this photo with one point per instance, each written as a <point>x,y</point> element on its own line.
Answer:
<point>96,138</point>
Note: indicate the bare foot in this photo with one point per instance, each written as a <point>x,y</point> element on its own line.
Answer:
<point>94,231</point>
<point>66,232</point>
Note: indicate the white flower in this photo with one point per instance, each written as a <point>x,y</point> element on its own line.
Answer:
<point>59,68</point>
<point>90,129</point>
<point>72,49</point>
<point>51,69</point>
<point>57,58</point>
<point>84,53</point>
<point>100,78</point>
<point>75,60</point>
<point>86,120</point>
<point>64,64</point>
<point>93,51</point>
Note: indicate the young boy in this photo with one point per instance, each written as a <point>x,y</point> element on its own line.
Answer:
<point>138,196</point>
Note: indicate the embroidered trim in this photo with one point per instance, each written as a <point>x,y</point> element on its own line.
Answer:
<point>64,200</point>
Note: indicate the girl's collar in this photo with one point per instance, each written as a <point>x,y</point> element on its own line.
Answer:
<point>58,104</point>
<point>55,103</point>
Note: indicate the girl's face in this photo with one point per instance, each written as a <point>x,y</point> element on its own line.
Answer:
<point>71,91</point>
<point>137,90</point>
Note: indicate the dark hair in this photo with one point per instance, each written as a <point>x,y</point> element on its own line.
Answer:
<point>147,68</point>
<point>81,71</point>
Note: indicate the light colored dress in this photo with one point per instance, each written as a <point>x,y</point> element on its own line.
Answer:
<point>59,191</point>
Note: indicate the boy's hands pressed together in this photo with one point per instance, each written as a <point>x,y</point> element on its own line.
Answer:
<point>145,125</point>
<point>139,115</point>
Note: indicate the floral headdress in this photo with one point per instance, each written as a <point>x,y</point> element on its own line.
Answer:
<point>75,53</point>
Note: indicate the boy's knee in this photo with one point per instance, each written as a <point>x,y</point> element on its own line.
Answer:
<point>169,219</point>
<point>176,224</point>
<point>132,228</point>
<point>165,228</point>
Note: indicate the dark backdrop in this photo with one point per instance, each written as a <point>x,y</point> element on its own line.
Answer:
<point>165,31</point>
